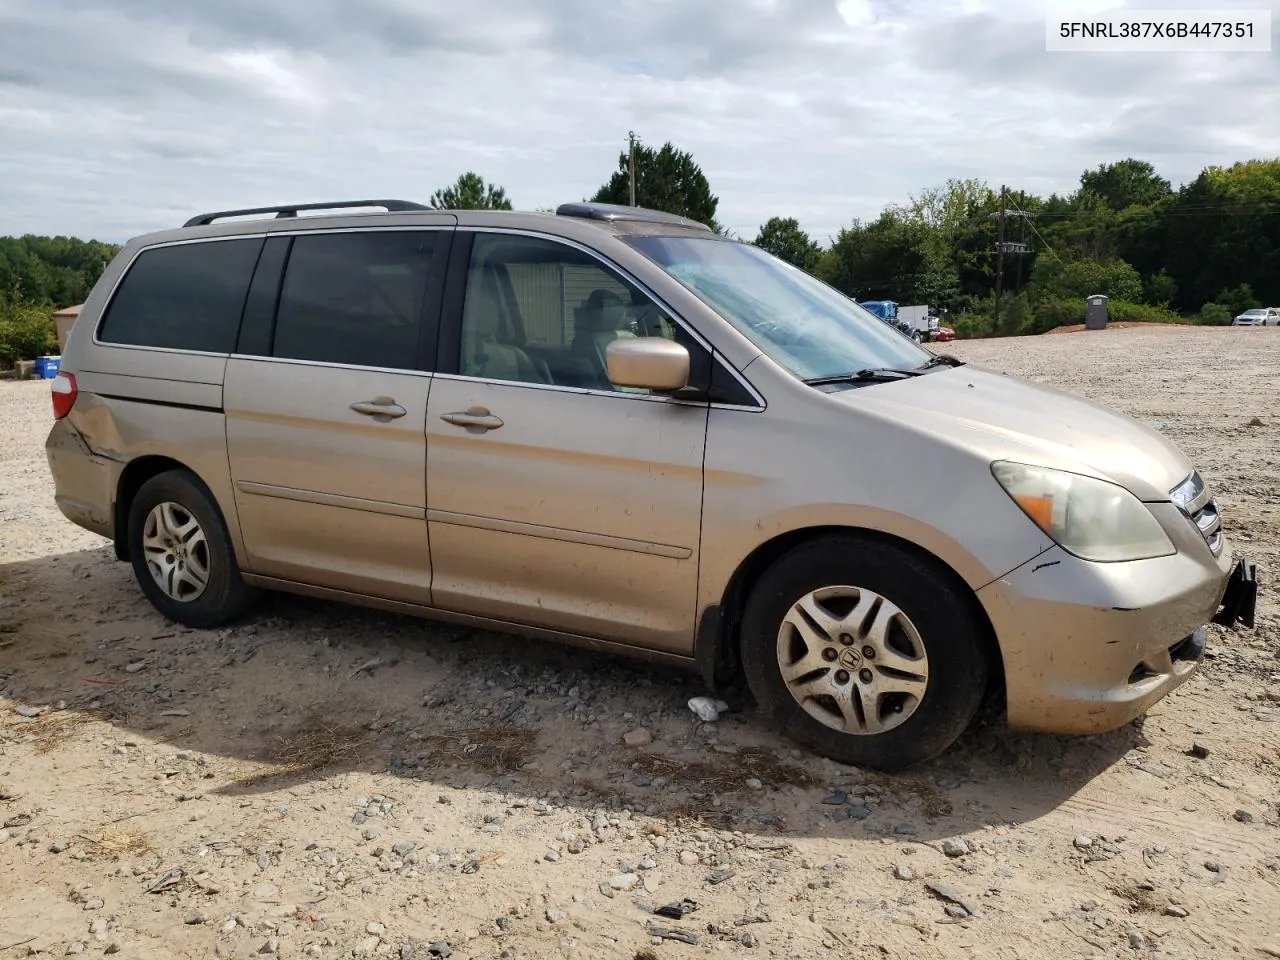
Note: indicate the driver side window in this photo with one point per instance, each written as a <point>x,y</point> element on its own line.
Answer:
<point>538,311</point>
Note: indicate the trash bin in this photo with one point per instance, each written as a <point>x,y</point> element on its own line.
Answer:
<point>1096,312</point>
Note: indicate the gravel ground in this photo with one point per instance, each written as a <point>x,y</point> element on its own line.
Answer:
<point>330,782</point>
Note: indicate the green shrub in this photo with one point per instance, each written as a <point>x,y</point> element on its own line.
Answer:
<point>1075,279</point>
<point>1238,299</point>
<point>1125,312</point>
<point>1051,313</point>
<point>1160,289</point>
<point>973,326</point>
<point>1016,315</point>
<point>1215,315</point>
<point>26,333</point>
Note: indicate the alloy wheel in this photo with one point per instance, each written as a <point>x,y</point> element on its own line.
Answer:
<point>177,551</point>
<point>852,660</point>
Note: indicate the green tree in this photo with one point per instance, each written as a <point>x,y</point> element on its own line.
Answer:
<point>1125,184</point>
<point>952,223</point>
<point>1160,289</point>
<point>783,238</point>
<point>26,330</point>
<point>1214,315</point>
<point>882,260</point>
<point>470,192</point>
<point>1238,299</point>
<point>1063,280</point>
<point>957,238</point>
<point>1086,230</point>
<point>57,271</point>
<point>667,179</point>
<point>1223,230</point>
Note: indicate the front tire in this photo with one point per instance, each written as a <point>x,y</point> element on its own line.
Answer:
<point>181,552</point>
<point>864,652</point>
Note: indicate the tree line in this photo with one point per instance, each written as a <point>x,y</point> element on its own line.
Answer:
<point>1202,252</point>
<point>37,276</point>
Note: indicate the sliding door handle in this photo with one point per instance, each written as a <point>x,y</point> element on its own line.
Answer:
<point>380,408</point>
<point>478,418</point>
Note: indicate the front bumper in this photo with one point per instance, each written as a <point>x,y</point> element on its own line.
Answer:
<point>1087,647</point>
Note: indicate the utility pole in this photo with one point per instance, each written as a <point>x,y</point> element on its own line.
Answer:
<point>1000,257</point>
<point>1022,231</point>
<point>631,137</point>
<point>1004,246</point>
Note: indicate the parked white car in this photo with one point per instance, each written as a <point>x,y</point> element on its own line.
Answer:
<point>1261,317</point>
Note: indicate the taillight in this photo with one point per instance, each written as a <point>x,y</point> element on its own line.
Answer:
<point>64,392</point>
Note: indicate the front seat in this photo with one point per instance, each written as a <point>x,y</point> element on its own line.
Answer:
<point>596,324</point>
<point>483,353</point>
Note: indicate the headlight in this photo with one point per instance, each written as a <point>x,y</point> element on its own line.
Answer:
<point>1092,519</point>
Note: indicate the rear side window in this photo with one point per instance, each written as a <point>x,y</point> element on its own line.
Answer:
<point>184,297</point>
<point>356,298</point>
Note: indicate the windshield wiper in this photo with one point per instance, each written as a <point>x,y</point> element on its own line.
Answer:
<point>870,375</point>
<point>941,359</point>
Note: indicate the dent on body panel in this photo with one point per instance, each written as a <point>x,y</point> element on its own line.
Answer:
<point>84,482</point>
<point>95,418</point>
<point>123,431</point>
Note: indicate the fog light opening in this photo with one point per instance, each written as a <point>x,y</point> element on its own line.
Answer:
<point>1141,673</point>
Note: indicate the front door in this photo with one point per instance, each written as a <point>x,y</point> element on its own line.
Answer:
<point>326,417</point>
<point>553,498</point>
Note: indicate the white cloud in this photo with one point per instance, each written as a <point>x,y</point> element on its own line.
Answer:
<point>855,12</point>
<point>270,70</point>
<point>120,119</point>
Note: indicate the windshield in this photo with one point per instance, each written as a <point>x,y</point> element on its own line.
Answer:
<point>802,324</point>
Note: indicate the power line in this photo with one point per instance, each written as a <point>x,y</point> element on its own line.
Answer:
<point>1028,218</point>
<point>1186,211</point>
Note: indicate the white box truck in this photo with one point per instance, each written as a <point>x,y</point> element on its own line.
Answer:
<point>921,320</point>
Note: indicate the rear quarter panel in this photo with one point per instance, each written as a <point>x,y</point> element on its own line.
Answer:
<point>123,430</point>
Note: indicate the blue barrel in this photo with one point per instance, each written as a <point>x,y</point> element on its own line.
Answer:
<point>47,367</point>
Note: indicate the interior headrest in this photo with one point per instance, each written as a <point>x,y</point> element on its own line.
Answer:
<point>603,310</point>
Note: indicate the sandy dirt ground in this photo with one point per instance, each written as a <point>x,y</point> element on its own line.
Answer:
<point>329,782</point>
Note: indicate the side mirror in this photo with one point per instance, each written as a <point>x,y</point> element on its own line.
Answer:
<point>651,363</point>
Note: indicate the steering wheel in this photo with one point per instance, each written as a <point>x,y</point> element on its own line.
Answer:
<point>648,321</point>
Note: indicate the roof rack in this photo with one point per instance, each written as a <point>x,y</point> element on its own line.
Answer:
<point>614,212</point>
<point>391,206</point>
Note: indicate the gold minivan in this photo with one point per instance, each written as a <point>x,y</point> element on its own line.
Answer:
<point>613,427</point>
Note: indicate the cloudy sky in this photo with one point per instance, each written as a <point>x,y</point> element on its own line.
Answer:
<point>122,116</point>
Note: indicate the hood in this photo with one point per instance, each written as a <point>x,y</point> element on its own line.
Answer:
<point>1004,418</point>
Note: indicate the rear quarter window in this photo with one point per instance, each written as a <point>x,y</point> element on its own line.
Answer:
<point>184,297</point>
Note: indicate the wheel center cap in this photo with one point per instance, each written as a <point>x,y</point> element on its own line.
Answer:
<point>850,658</point>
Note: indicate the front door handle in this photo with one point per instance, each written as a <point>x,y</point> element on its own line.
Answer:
<point>475,417</point>
<point>380,408</point>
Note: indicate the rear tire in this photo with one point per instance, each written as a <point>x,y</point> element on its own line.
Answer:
<point>181,552</point>
<point>863,652</point>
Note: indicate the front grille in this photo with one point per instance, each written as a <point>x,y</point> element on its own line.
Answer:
<point>1192,498</point>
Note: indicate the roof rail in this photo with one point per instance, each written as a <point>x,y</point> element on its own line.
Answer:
<point>291,210</point>
<point>614,212</point>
